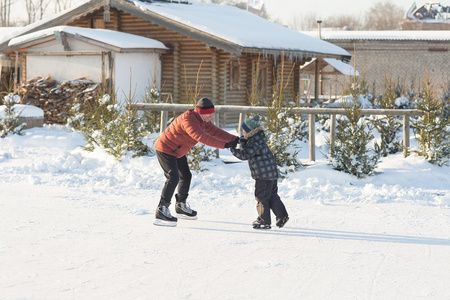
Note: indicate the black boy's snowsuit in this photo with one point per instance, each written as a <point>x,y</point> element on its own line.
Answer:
<point>264,170</point>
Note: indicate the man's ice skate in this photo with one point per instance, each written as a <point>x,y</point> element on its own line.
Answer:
<point>164,218</point>
<point>184,211</point>
<point>258,224</point>
<point>281,221</point>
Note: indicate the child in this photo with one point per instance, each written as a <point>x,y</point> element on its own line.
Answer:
<point>264,170</point>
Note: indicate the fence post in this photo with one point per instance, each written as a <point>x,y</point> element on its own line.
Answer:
<point>332,134</point>
<point>163,126</point>
<point>242,117</point>
<point>406,137</point>
<point>216,122</point>
<point>312,137</point>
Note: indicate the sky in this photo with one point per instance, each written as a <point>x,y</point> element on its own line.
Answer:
<point>79,225</point>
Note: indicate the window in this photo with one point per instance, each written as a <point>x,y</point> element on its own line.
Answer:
<point>259,80</point>
<point>235,74</point>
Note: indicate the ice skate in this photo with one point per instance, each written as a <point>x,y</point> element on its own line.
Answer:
<point>164,218</point>
<point>282,221</point>
<point>258,224</point>
<point>184,211</point>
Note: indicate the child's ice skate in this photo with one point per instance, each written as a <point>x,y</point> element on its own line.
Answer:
<point>258,224</point>
<point>281,221</point>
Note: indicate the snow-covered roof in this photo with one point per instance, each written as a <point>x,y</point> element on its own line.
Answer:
<point>110,37</point>
<point>8,32</point>
<point>339,66</point>
<point>342,67</point>
<point>404,35</point>
<point>225,27</point>
<point>239,27</point>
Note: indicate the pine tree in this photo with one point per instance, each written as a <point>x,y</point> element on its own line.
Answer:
<point>11,123</point>
<point>388,126</point>
<point>284,129</point>
<point>432,130</point>
<point>115,128</point>
<point>152,119</point>
<point>353,134</point>
<point>198,154</point>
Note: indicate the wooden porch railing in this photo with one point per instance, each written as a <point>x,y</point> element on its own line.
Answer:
<point>311,112</point>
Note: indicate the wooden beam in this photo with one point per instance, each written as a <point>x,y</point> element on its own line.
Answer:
<point>64,53</point>
<point>312,137</point>
<point>406,129</point>
<point>332,134</point>
<point>263,109</point>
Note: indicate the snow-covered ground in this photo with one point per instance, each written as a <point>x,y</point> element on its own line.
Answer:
<point>78,225</point>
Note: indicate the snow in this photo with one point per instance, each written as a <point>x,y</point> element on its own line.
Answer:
<point>26,111</point>
<point>348,99</point>
<point>111,37</point>
<point>78,225</point>
<point>342,67</point>
<point>8,32</point>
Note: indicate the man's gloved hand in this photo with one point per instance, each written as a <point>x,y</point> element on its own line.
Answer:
<point>232,144</point>
<point>242,141</point>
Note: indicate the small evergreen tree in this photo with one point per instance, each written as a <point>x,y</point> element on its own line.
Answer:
<point>284,129</point>
<point>108,125</point>
<point>199,152</point>
<point>11,123</point>
<point>432,130</point>
<point>446,100</point>
<point>152,119</point>
<point>353,134</point>
<point>388,126</point>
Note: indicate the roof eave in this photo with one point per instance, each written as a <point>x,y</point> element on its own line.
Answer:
<point>297,53</point>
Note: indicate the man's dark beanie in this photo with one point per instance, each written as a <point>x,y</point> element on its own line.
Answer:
<point>205,106</point>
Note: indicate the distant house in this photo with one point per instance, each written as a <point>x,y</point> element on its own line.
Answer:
<point>221,50</point>
<point>407,56</point>
<point>429,16</point>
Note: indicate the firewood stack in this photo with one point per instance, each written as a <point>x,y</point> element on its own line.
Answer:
<point>56,98</point>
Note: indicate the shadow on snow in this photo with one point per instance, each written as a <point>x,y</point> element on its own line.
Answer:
<point>331,234</point>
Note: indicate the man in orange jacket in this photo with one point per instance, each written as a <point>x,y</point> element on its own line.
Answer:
<point>192,127</point>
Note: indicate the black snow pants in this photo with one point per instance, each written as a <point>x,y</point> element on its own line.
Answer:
<point>177,173</point>
<point>266,194</point>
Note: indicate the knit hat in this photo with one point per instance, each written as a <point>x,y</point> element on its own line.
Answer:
<point>251,123</point>
<point>205,106</point>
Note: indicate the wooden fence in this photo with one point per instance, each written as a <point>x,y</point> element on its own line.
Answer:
<point>311,112</point>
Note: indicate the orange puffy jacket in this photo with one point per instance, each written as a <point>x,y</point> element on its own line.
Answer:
<point>186,131</point>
